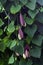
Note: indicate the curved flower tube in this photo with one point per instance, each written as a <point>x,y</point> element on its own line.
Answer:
<point>26,53</point>
<point>20,34</point>
<point>22,22</point>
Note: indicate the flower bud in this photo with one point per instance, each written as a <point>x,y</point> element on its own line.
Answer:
<point>22,22</point>
<point>20,34</point>
<point>26,51</point>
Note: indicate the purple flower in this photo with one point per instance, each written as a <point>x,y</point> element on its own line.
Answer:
<point>26,53</point>
<point>22,22</point>
<point>20,34</point>
<point>27,47</point>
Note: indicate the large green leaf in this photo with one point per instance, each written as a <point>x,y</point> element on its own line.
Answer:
<point>11,27</point>
<point>11,60</point>
<point>40,2</point>
<point>19,49</point>
<point>1,22</point>
<point>33,13</point>
<point>14,42</point>
<point>35,52</point>
<point>30,31</point>
<point>37,40</point>
<point>15,9</point>
<point>31,5</point>
<point>29,21</point>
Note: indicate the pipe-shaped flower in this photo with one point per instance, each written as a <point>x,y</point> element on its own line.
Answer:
<point>20,34</point>
<point>26,53</point>
<point>22,22</point>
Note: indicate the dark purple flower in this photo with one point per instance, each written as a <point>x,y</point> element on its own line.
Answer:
<point>27,47</point>
<point>20,34</point>
<point>26,52</point>
<point>22,22</point>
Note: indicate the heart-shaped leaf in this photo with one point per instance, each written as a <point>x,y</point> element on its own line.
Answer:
<point>11,27</point>
<point>31,5</point>
<point>33,13</point>
<point>29,21</point>
<point>15,9</point>
<point>30,31</point>
<point>19,49</point>
<point>37,40</point>
<point>35,52</point>
<point>14,42</point>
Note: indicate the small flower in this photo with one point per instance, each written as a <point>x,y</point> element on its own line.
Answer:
<point>20,34</point>
<point>26,53</point>
<point>22,22</point>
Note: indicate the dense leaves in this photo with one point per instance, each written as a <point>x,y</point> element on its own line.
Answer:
<point>21,32</point>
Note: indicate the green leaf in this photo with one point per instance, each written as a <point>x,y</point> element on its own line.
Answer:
<point>29,21</point>
<point>33,13</point>
<point>37,40</point>
<point>40,2</point>
<point>15,9</point>
<point>24,1</point>
<point>11,27</point>
<point>22,62</point>
<point>35,52</point>
<point>1,31</point>
<point>39,17</point>
<point>29,62</point>
<point>19,49</point>
<point>31,5</point>
<point>14,42</point>
<point>30,31</point>
<point>11,60</point>
<point>1,22</point>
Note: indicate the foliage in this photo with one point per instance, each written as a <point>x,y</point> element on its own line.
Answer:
<point>21,24</point>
